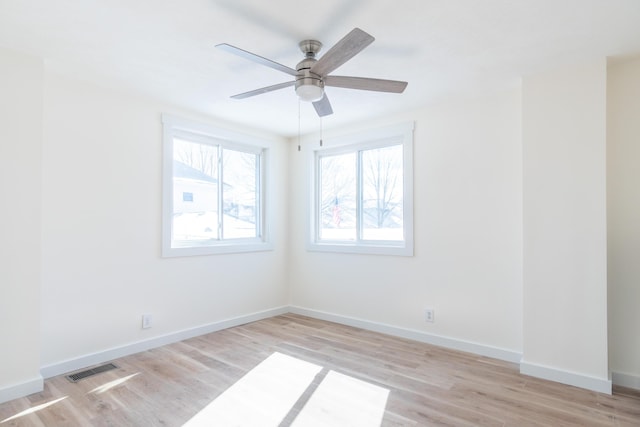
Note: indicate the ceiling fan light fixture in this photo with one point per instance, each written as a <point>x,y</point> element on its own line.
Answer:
<point>310,93</point>
<point>309,90</point>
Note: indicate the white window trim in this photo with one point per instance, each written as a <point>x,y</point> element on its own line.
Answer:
<point>348,143</point>
<point>173,126</point>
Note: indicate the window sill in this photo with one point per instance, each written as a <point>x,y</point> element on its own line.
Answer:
<point>218,249</point>
<point>369,249</point>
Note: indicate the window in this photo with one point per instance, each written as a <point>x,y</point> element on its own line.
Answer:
<point>362,193</point>
<point>213,190</point>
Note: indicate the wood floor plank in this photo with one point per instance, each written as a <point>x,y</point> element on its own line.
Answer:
<point>427,385</point>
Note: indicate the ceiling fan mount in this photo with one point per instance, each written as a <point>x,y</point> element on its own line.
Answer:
<point>310,47</point>
<point>312,75</point>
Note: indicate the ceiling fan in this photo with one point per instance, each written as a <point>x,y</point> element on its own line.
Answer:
<point>312,75</point>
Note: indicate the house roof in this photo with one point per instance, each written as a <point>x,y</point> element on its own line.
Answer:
<point>182,170</point>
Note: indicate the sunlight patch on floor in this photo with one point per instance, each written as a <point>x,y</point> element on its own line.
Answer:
<point>111,384</point>
<point>341,400</point>
<point>268,393</point>
<point>263,397</point>
<point>33,409</point>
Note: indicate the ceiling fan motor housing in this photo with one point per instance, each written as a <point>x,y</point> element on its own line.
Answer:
<point>309,86</point>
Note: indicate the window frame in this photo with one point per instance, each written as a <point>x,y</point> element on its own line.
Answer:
<point>202,133</point>
<point>376,138</point>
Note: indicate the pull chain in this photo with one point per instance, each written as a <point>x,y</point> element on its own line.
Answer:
<point>320,131</point>
<point>298,124</point>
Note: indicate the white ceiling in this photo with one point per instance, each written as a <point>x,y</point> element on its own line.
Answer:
<point>165,48</point>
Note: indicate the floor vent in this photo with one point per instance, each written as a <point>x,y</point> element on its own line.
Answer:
<point>90,372</point>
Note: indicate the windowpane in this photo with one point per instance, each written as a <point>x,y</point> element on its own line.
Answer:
<point>382,193</point>
<point>239,194</point>
<point>337,197</point>
<point>195,189</point>
<point>362,200</point>
<point>214,184</point>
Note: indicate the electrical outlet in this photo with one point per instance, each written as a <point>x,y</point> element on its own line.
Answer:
<point>146,321</point>
<point>429,315</point>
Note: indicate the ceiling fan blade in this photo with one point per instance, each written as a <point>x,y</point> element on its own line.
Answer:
<point>263,90</point>
<point>323,107</point>
<point>365,83</point>
<point>341,52</point>
<point>256,58</point>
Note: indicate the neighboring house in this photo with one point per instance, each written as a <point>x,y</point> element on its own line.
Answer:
<point>193,190</point>
<point>195,211</point>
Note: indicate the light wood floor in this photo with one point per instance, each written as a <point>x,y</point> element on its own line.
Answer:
<point>428,385</point>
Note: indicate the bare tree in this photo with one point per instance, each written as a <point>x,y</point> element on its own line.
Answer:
<point>240,183</point>
<point>382,181</point>
<point>201,157</point>
<point>338,200</point>
<point>208,159</point>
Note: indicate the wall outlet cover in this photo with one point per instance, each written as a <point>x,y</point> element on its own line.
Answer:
<point>429,315</point>
<point>146,321</point>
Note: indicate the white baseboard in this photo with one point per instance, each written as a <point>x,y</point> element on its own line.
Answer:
<point>26,388</point>
<point>600,385</point>
<point>626,380</point>
<point>544,372</point>
<point>441,341</point>
<point>548,373</point>
<point>114,353</point>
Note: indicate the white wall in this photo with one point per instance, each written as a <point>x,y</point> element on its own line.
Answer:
<point>21,88</point>
<point>82,255</point>
<point>623,192</point>
<point>468,235</point>
<point>101,239</point>
<point>565,259</point>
